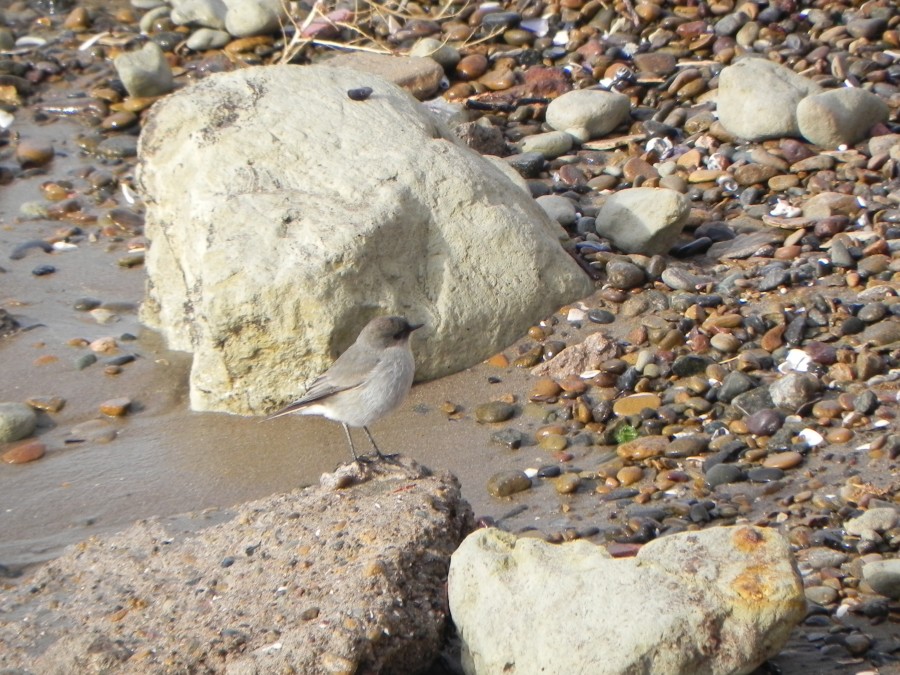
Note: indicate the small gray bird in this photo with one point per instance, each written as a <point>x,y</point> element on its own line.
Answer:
<point>368,381</point>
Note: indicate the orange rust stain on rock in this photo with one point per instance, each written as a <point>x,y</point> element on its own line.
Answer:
<point>752,584</point>
<point>747,539</point>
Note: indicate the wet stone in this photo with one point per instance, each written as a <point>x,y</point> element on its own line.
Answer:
<point>764,474</point>
<point>753,400</point>
<point>643,447</point>
<point>567,483</point>
<point>690,364</point>
<point>721,474</point>
<point>85,360</point>
<point>765,422</point>
<point>783,460</point>
<point>494,411</point>
<point>24,453</point>
<point>47,403</point>
<point>116,407</point>
<point>17,420</point>
<point>506,483</point>
<point>634,404</point>
<point>508,438</point>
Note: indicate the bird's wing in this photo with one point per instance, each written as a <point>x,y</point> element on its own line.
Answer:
<point>352,369</point>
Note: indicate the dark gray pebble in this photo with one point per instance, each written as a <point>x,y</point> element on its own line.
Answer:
<point>765,422</point>
<point>734,384</point>
<point>86,304</point>
<point>721,474</point>
<point>43,270</point>
<point>765,474</point>
<point>601,316</point>
<point>19,251</point>
<point>85,360</point>
<point>690,364</point>
<point>549,471</point>
<point>360,93</point>
<point>508,438</point>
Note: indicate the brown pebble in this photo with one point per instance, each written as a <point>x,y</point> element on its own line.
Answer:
<point>104,345</point>
<point>46,359</point>
<point>544,389</point>
<point>629,475</point>
<point>31,153</point>
<point>115,407</point>
<point>839,435</point>
<point>77,20</point>
<point>24,453</point>
<point>632,405</point>
<point>783,460</point>
<point>47,403</point>
<point>471,67</point>
<point>643,447</point>
<point>498,361</point>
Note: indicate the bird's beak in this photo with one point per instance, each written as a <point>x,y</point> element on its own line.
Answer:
<point>415,326</point>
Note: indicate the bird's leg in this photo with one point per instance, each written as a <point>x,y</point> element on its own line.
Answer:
<point>383,458</point>
<point>356,458</point>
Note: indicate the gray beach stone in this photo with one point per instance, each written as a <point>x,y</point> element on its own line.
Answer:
<point>757,99</point>
<point>873,522</point>
<point>840,116</point>
<point>446,55</point>
<point>550,144</point>
<point>588,113</point>
<point>201,13</point>
<point>794,389</point>
<point>207,38</point>
<point>721,600</point>
<point>17,421</point>
<point>561,209</point>
<point>246,18</point>
<point>884,577</point>
<point>643,220</point>
<point>370,207</point>
<point>145,72</point>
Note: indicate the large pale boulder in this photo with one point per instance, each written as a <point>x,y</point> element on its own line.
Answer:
<point>840,116</point>
<point>757,99</point>
<point>321,581</point>
<point>718,601</point>
<point>643,220</point>
<point>283,215</point>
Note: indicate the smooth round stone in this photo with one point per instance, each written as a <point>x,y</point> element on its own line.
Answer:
<point>884,577</point>
<point>549,145</point>
<point>117,147</point>
<point>437,50</point>
<point>561,209</point>
<point>115,407</point>
<point>119,120</point>
<point>765,474</point>
<point>494,411</point>
<point>721,474</point>
<point>97,431</point>
<point>872,312</point>
<point>24,453</point>
<point>553,443</point>
<point>85,360</point>
<point>628,475</point>
<point>506,483</point>
<point>783,460</point>
<point>544,390</point>
<point>32,153</point>
<point>601,316</point>
<point>821,595</point>
<point>765,422</point>
<point>839,435</point>
<point>17,420</point>
<point>471,67</point>
<point>725,342</point>
<point>207,38</point>
<point>634,404</point>
<point>643,447</point>
<point>624,275</point>
<point>567,483</point>
<point>47,403</point>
